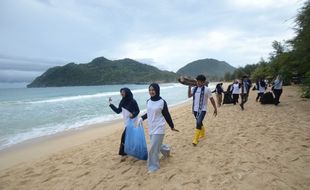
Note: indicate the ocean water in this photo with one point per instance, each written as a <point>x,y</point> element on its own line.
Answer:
<point>28,113</point>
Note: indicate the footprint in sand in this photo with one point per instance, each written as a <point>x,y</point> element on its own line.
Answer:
<point>95,186</point>
<point>109,177</point>
<point>67,162</point>
<point>5,175</point>
<point>34,175</point>
<point>123,187</point>
<point>171,176</point>
<point>126,170</point>
<point>49,178</point>
<point>29,171</point>
<point>84,174</point>
<point>191,182</point>
<point>24,182</point>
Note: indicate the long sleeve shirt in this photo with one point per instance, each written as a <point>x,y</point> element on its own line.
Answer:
<point>133,106</point>
<point>157,115</point>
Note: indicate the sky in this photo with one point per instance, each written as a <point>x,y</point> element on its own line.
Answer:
<point>38,34</point>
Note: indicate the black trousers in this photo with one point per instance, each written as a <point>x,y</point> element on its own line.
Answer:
<point>277,93</point>
<point>122,145</point>
<point>235,97</point>
<point>244,99</point>
<point>259,96</point>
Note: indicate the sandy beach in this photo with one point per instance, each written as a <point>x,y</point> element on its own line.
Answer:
<point>262,147</point>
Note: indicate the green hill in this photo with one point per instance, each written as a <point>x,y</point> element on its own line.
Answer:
<point>212,68</point>
<point>101,71</point>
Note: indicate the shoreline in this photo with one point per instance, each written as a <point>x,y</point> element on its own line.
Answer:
<point>46,145</point>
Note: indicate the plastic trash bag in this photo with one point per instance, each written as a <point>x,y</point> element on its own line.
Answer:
<point>135,144</point>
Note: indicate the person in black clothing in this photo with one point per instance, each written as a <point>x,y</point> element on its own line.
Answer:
<point>235,90</point>
<point>219,91</point>
<point>245,88</point>
<point>261,87</point>
<point>228,95</point>
<point>130,110</point>
<point>277,89</point>
<point>248,82</point>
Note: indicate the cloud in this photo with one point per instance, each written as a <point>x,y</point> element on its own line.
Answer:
<point>18,76</point>
<point>168,34</point>
<point>24,69</point>
<point>27,63</point>
<point>151,61</point>
<point>262,4</point>
<point>233,46</point>
<point>46,2</point>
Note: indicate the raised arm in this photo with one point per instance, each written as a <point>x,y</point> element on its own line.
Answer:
<point>115,109</point>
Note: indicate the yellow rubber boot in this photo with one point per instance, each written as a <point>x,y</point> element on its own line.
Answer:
<point>196,137</point>
<point>202,133</point>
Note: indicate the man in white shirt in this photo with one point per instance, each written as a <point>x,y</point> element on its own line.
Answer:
<point>201,93</point>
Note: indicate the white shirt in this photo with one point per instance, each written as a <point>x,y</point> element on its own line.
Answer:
<point>126,117</point>
<point>261,89</point>
<point>278,84</point>
<point>208,95</point>
<point>236,89</point>
<point>155,118</point>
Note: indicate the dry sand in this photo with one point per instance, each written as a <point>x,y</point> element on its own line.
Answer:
<point>263,147</point>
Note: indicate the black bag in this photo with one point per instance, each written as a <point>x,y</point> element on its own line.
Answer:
<point>267,98</point>
<point>227,98</point>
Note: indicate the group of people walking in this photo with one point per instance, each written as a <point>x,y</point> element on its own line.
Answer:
<point>262,86</point>
<point>157,112</point>
<point>240,89</point>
